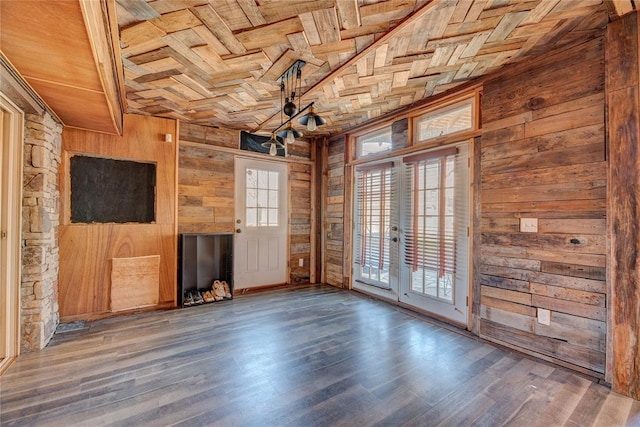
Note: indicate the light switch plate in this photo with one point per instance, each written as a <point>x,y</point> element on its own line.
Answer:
<point>301,262</point>
<point>529,225</point>
<point>544,316</point>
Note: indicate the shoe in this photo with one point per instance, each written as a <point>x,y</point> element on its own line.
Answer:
<point>206,295</point>
<point>218,290</point>
<point>227,290</point>
<point>188,299</point>
<point>197,298</point>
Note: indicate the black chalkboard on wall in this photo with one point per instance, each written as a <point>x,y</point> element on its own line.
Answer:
<point>109,190</point>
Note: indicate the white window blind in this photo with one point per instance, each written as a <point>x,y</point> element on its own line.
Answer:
<point>436,215</point>
<point>374,198</point>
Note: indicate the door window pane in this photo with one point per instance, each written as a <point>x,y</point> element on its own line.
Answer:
<point>252,178</point>
<point>430,248</point>
<point>273,199</point>
<point>373,225</point>
<point>273,217</point>
<point>262,193</point>
<point>263,200</point>
<point>273,181</point>
<point>252,217</point>
<point>252,198</point>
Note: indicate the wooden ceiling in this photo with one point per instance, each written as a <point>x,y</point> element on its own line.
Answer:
<point>218,62</point>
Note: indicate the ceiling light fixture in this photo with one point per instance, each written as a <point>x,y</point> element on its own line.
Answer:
<point>290,92</point>
<point>273,145</point>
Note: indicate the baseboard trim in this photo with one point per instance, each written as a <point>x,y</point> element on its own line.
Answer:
<point>5,363</point>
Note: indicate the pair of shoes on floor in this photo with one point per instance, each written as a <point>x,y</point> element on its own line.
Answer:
<point>221,290</point>
<point>197,297</point>
<point>188,299</point>
<point>192,298</point>
<point>207,296</point>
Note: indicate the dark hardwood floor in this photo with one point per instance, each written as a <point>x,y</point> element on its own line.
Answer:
<point>307,356</point>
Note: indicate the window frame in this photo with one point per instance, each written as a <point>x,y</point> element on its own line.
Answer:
<point>372,134</point>
<point>268,190</point>
<point>436,110</point>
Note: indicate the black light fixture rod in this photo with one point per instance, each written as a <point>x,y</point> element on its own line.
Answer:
<point>286,122</point>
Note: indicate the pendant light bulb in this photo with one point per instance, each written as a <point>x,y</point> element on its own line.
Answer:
<point>290,138</point>
<point>273,150</point>
<point>311,124</point>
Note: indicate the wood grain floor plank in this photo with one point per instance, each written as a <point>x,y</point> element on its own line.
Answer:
<point>614,411</point>
<point>310,355</point>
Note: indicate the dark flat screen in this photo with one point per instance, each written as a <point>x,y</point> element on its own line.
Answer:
<point>109,190</point>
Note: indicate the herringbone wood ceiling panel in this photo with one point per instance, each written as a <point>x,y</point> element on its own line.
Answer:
<point>217,62</point>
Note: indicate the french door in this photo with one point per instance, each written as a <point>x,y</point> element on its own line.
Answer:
<point>260,244</point>
<point>376,210</point>
<point>411,230</point>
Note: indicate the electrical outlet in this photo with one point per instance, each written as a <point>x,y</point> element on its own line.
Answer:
<point>529,225</point>
<point>544,316</point>
<point>301,262</point>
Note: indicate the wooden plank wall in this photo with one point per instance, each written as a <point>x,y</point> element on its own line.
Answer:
<point>543,156</point>
<point>300,199</point>
<point>206,190</point>
<point>205,180</point>
<point>86,250</point>
<point>623,117</point>
<point>333,227</point>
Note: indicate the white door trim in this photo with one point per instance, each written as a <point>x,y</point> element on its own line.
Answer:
<point>11,136</point>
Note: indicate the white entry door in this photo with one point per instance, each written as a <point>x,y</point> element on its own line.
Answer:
<point>260,244</point>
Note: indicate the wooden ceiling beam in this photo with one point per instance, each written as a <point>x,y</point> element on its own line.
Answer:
<point>100,27</point>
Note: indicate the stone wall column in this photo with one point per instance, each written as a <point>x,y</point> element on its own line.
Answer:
<point>40,219</point>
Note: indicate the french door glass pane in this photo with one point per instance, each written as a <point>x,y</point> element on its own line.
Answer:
<point>431,245</point>
<point>373,225</point>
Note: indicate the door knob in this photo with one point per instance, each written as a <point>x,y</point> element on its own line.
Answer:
<point>394,239</point>
<point>238,230</point>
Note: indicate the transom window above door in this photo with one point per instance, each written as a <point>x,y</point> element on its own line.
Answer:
<point>444,121</point>
<point>375,142</point>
